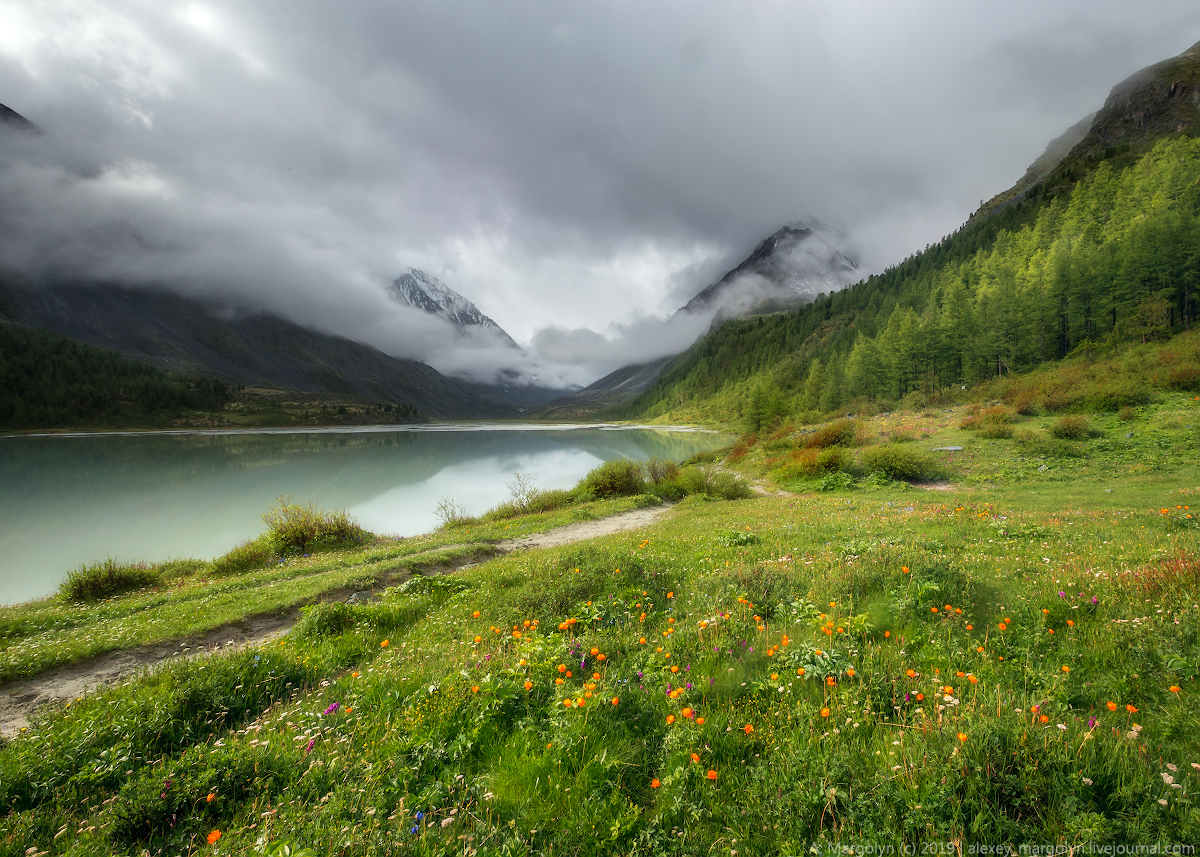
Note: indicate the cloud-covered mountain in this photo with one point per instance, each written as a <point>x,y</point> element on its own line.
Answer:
<point>426,292</point>
<point>788,269</point>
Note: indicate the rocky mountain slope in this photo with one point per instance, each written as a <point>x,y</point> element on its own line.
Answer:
<point>1159,101</point>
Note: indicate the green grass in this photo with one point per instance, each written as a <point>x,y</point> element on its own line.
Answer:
<point>836,659</point>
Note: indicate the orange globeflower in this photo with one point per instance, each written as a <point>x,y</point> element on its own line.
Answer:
<point>960,673</point>
<point>695,757</point>
<point>851,673</point>
<point>674,669</point>
<point>382,645</point>
<point>970,627</point>
<point>687,712</point>
<point>475,689</point>
<point>475,615</point>
<point>699,721</point>
<point>654,783</point>
<point>595,651</point>
<point>670,719</point>
<point>824,712</point>
<point>1066,668</point>
<point>962,736</point>
<point>904,568</point>
<point>615,700</point>
<point>562,668</point>
<point>972,679</point>
<point>211,797</point>
<point>712,775</point>
<point>213,837</point>
<point>920,697</point>
<point>528,685</point>
<point>1044,718</point>
<point>1174,688</point>
<point>910,673</point>
<point>1129,707</point>
<point>747,728</point>
<point>1112,706</point>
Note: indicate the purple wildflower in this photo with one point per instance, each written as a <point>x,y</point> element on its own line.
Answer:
<point>332,708</point>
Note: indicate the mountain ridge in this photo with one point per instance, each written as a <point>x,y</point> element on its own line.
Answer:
<point>250,347</point>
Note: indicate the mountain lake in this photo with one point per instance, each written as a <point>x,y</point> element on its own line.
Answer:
<point>69,499</point>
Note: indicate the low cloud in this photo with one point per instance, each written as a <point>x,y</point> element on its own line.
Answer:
<point>575,171</point>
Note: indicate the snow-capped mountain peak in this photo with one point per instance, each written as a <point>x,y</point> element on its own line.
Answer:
<point>426,292</point>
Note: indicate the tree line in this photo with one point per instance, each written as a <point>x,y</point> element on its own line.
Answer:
<point>48,380</point>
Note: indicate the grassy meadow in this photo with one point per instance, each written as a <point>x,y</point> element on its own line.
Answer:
<point>1006,654</point>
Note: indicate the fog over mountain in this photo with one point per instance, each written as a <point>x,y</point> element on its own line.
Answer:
<point>577,172</point>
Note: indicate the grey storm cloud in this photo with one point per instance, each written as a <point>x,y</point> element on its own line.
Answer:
<point>576,170</point>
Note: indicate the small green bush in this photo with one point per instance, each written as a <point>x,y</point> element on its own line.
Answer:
<point>618,478</point>
<point>297,529</point>
<point>836,481</point>
<point>106,578</point>
<point>1073,427</point>
<point>714,482</point>
<point>838,433</point>
<point>328,619</point>
<point>899,461</point>
<point>255,553</point>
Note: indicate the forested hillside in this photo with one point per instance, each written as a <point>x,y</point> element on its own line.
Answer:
<point>1088,265</point>
<point>50,380</point>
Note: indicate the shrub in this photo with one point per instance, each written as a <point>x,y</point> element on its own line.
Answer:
<point>451,513</point>
<point>325,620</point>
<point>1073,427</point>
<point>836,481</point>
<point>714,482</point>
<point>106,578</point>
<point>296,529</point>
<point>837,433</point>
<point>658,470</point>
<point>743,446</point>
<point>618,478</point>
<point>1038,444</point>
<point>252,554</point>
<point>991,422</point>
<point>1185,378</point>
<point>898,461</point>
<point>539,501</point>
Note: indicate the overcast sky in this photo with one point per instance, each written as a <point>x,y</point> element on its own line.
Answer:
<point>578,170</point>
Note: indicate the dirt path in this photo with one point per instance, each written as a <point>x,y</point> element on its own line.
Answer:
<point>586,530</point>
<point>20,699</point>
